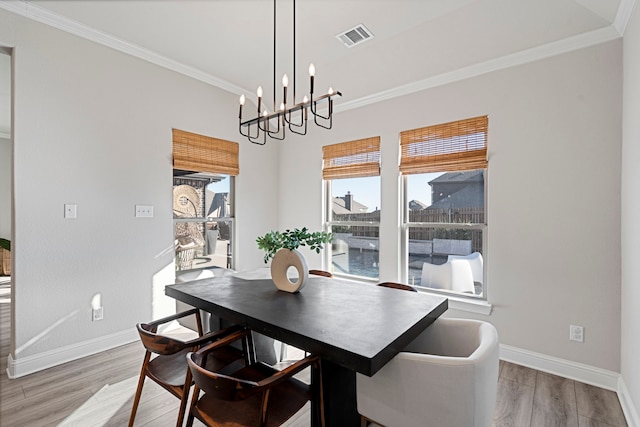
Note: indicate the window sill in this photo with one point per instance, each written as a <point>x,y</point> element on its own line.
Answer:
<point>467,304</point>
<point>471,306</point>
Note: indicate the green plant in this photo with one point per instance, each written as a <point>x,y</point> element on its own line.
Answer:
<point>5,244</point>
<point>292,239</point>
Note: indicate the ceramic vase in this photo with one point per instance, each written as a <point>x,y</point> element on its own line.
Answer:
<point>283,261</point>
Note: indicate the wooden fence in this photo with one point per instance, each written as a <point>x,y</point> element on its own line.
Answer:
<point>453,216</point>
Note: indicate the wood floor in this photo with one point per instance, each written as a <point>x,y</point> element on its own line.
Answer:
<point>98,391</point>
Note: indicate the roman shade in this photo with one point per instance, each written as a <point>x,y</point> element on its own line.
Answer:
<point>353,159</point>
<point>199,153</point>
<point>453,146</point>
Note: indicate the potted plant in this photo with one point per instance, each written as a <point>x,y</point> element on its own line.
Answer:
<point>282,247</point>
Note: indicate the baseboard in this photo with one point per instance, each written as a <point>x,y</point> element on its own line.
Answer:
<point>565,368</point>
<point>22,366</point>
<point>629,409</point>
<point>602,378</point>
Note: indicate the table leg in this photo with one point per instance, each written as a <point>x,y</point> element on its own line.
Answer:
<point>339,386</point>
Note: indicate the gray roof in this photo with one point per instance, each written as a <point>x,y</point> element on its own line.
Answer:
<point>356,207</point>
<point>467,197</point>
<point>462,176</point>
<point>416,205</point>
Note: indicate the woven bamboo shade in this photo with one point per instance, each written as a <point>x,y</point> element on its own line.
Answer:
<point>352,159</point>
<point>454,146</point>
<point>199,153</point>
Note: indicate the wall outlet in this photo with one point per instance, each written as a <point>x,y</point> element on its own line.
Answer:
<point>144,211</point>
<point>576,333</point>
<point>70,211</point>
<point>97,314</point>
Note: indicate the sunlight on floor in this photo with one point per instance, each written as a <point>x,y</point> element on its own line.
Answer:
<point>106,402</point>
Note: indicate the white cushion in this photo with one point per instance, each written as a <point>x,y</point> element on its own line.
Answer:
<point>190,321</point>
<point>448,376</point>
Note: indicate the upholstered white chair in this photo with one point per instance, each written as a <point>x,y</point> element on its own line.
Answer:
<point>475,261</point>
<point>447,377</point>
<point>455,275</point>
<point>189,322</point>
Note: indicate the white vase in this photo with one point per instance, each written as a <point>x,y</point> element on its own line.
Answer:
<point>283,260</point>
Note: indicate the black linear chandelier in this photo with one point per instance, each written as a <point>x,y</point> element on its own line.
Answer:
<point>293,116</point>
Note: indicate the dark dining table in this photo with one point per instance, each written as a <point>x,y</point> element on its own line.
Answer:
<point>352,326</point>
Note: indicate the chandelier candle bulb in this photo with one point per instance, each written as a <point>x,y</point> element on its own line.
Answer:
<point>312,73</point>
<point>285,83</point>
<point>259,93</point>
<point>241,104</point>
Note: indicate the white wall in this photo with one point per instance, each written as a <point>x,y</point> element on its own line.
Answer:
<point>93,128</point>
<point>5,188</point>
<point>630,207</point>
<point>553,188</point>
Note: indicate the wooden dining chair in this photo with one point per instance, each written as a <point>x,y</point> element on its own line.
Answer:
<point>321,273</point>
<point>254,394</point>
<point>398,286</point>
<point>169,368</point>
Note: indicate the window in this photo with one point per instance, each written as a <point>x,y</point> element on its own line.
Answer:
<point>444,223</point>
<point>203,196</point>
<point>351,171</point>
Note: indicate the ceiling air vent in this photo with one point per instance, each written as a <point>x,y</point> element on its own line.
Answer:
<point>355,35</point>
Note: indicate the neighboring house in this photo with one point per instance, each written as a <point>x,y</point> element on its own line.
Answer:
<point>416,205</point>
<point>347,205</point>
<point>219,207</point>
<point>458,190</point>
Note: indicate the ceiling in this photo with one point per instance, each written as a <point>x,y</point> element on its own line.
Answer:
<point>417,43</point>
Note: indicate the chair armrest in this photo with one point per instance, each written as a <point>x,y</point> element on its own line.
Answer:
<point>288,372</point>
<point>173,317</point>
<point>213,336</point>
<point>224,340</point>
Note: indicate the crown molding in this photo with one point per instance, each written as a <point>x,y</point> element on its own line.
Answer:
<point>608,33</point>
<point>623,15</point>
<point>39,14</point>
<point>569,44</point>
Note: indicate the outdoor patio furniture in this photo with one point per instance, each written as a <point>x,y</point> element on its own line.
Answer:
<point>475,262</point>
<point>454,275</point>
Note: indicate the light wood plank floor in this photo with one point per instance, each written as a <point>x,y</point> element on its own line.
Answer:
<point>98,391</point>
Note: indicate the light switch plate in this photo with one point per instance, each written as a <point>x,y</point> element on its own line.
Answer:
<point>144,211</point>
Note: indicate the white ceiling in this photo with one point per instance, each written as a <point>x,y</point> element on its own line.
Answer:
<point>417,43</point>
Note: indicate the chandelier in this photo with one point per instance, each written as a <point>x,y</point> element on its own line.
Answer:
<point>293,116</point>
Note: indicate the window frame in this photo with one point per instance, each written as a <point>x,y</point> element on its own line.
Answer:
<point>405,227</point>
<point>456,146</point>
<point>231,258</point>
<point>328,224</point>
